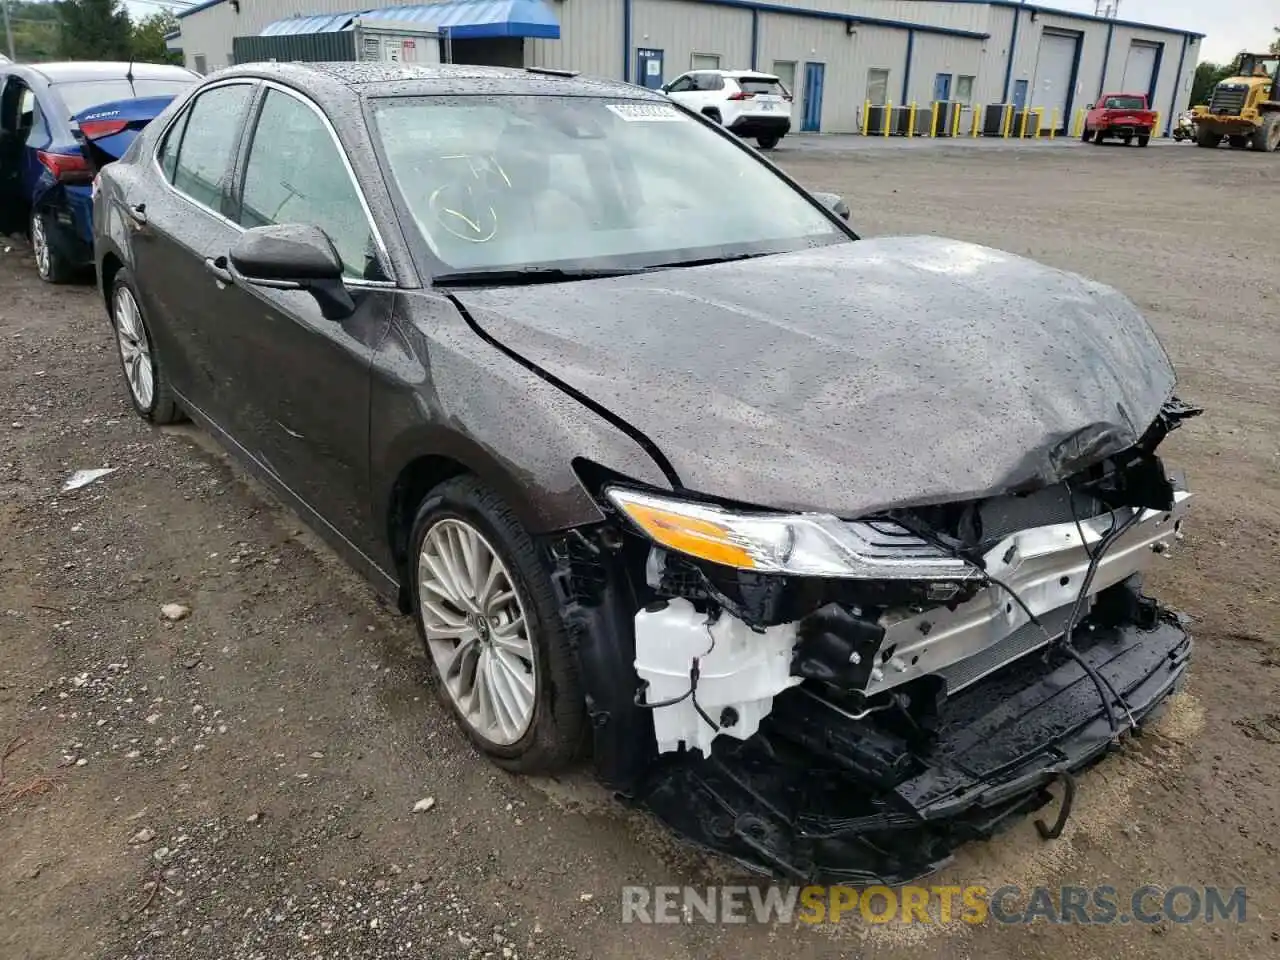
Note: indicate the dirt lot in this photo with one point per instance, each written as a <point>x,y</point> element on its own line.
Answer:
<point>241,783</point>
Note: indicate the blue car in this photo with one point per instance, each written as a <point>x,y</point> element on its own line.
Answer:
<point>59,124</point>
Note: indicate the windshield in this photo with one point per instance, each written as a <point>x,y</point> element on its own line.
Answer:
<point>80,95</point>
<point>1125,103</point>
<point>509,183</point>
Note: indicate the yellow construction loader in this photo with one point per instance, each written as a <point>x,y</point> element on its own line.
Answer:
<point>1245,108</point>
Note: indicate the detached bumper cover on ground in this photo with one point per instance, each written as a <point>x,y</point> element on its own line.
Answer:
<point>815,796</point>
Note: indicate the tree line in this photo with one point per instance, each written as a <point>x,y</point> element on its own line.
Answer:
<point>88,30</point>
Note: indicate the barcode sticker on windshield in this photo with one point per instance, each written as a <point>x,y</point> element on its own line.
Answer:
<point>646,111</point>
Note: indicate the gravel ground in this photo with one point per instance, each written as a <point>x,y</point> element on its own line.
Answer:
<point>248,779</point>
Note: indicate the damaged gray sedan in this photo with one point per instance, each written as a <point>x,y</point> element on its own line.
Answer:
<point>827,551</point>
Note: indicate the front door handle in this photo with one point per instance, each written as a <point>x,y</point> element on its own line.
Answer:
<point>138,213</point>
<point>219,271</point>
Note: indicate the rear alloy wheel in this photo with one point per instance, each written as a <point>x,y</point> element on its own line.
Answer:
<point>50,263</point>
<point>492,628</point>
<point>143,373</point>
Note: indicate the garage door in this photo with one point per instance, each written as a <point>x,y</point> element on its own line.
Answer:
<point>1139,68</point>
<point>1054,66</point>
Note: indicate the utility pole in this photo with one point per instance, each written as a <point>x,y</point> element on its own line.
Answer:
<point>8,30</point>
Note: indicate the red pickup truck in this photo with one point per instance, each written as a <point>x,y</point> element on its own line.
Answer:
<point>1121,115</point>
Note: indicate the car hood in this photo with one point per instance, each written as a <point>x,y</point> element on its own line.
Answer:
<point>854,377</point>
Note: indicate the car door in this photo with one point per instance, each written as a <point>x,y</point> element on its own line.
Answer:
<point>177,210</point>
<point>308,403</point>
<point>683,89</point>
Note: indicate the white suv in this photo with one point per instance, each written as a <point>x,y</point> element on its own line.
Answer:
<point>748,103</point>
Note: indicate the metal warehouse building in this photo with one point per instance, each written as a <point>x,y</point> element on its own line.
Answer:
<point>837,55</point>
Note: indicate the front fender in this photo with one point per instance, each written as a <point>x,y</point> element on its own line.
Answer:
<point>440,390</point>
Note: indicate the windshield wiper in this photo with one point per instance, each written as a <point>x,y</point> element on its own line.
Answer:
<point>528,275</point>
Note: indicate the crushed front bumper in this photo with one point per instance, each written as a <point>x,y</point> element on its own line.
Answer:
<point>817,795</point>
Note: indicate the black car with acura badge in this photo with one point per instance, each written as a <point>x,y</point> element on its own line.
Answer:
<point>827,550</point>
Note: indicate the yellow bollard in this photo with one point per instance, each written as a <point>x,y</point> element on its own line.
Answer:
<point>1079,124</point>
<point>1008,120</point>
<point>866,117</point>
<point>888,117</point>
<point>933,125</point>
<point>911,121</point>
<point>955,122</point>
<point>977,115</point>
<point>1053,124</point>
<point>1022,131</point>
<point>1155,131</point>
<point>1039,112</point>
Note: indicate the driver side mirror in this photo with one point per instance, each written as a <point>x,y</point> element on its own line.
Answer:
<point>835,203</point>
<point>665,88</point>
<point>291,256</point>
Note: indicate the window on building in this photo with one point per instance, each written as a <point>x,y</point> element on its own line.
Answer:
<point>295,174</point>
<point>213,129</point>
<point>704,61</point>
<point>785,70</point>
<point>877,86</point>
<point>201,63</point>
<point>964,89</point>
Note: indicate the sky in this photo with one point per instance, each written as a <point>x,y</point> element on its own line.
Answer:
<point>1231,25</point>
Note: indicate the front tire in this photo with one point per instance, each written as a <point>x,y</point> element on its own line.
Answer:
<point>144,372</point>
<point>1266,139</point>
<point>491,626</point>
<point>767,143</point>
<point>51,264</point>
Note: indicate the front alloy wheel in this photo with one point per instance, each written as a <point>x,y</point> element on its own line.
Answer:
<point>477,631</point>
<point>491,623</point>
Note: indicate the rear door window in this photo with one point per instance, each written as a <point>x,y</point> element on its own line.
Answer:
<point>213,125</point>
<point>296,173</point>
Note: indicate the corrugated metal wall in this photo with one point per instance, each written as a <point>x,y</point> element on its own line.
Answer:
<point>680,29</point>
<point>590,39</point>
<point>592,42</point>
<point>955,56</point>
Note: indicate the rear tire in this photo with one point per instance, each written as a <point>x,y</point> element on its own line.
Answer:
<point>1086,136</point>
<point>1098,138</point>
<point>767,143</point>
<point>144,371</point>
<point>1128,141</point>
<point>1143,141</point>
<point>554,734</point>
<point>1208,140</point>
<point>51,264</point>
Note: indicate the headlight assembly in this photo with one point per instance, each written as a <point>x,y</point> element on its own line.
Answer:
<point>807,544</point>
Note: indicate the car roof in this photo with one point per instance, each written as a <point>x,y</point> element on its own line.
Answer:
<point>73,71</point>
<point>739,74</point>
<point>391,79</point>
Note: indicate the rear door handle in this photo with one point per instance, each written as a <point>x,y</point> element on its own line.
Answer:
<point>138,213</point>
<point>221,273</point>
